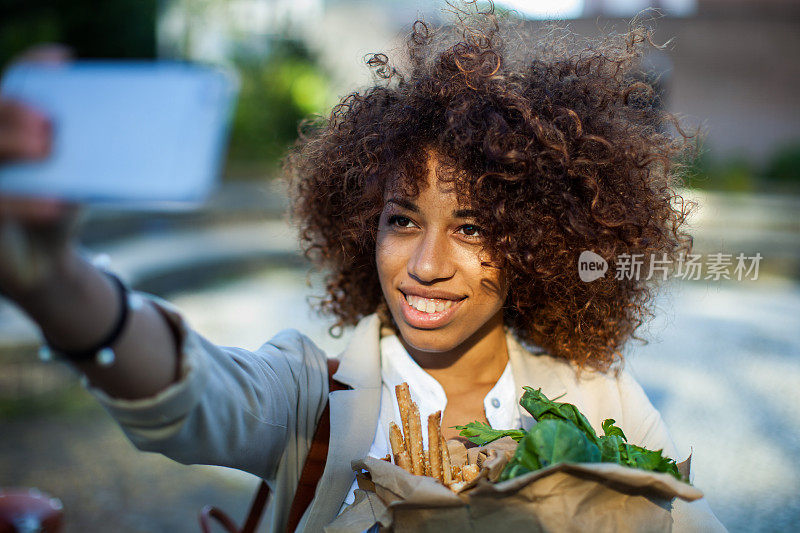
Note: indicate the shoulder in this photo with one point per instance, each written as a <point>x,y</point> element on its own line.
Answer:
<point>293,352</point>
<point>600,395</point>
<point>294,343</point>
<point>616,386</point>
<point>619,395</point>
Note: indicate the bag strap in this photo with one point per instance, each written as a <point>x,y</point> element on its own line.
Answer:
<point>312,471</point>
<point>317,456</point>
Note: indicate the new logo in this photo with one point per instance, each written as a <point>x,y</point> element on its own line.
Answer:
<point>591,266</point>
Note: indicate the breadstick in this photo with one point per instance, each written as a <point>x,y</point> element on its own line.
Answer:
<point>457,477</point>
<point>456,486</point>
<point>404,403</point>
<point>470,472</point>
<point>414,440</point>
<point>401,457</point>
<point>447,472</point>
<point>396,439</point>
<point>434,445</point>
<point>427,465</point>
<point>403,461</point>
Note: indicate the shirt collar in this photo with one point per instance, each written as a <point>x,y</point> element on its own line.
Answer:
<point>359,363</point>
<point>398,366</point>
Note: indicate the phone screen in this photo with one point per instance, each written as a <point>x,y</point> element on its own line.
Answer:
<point>128,133</point>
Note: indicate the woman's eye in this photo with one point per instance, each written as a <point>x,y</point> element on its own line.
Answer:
<point>471,230</point>
<point>400,221</point>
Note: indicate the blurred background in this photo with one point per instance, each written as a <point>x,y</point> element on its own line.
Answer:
<point>723,361</point>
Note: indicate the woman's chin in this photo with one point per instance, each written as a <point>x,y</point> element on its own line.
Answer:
<point>427,340</point>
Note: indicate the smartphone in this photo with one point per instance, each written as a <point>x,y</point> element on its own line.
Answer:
<point>134,134</point>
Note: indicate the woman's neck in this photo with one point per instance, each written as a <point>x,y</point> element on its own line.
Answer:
<point>480,360</point>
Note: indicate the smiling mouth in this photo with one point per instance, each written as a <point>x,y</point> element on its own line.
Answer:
<point>429,305</point>
<point>428,313</point>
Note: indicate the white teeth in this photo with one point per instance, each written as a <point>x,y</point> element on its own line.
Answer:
<point>427,305</point>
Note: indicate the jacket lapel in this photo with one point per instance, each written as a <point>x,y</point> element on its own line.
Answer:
<point>354,416</point>
<point>534,369</point>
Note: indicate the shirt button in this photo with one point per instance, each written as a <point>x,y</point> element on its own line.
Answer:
<point>495,403</point>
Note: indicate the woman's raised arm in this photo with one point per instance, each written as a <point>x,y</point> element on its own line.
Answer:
<point>171,390</point>
<point>74,303</point>
<point>76,306</point>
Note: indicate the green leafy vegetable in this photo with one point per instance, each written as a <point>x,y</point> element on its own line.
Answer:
<point>525,460</point>
<point>482,433</point>
<point>609,429</point>
<point>541,408</point>
<point>563,434</point>
<point>632,455</point>
<point>557,441</point>
<point>550,442</point>
<point>638,457</point>
<point>610,447</point>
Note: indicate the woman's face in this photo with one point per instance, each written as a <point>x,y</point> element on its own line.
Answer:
<point>429,263</point>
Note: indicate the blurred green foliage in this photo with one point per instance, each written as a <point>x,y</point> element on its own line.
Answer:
<point>70,400</point>
<point>733,174</point>
<point>277,92</point>
<point>780,173</point>
<point>109,28</point>
<point>784,167</point>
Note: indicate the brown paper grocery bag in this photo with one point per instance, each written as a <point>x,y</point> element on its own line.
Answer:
<point>566,498</point>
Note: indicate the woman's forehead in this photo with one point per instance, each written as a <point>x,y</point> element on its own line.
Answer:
<point>437,179</point>
<point>441,195</point>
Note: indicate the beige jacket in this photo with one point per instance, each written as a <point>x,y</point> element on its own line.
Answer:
<point>257,411</point>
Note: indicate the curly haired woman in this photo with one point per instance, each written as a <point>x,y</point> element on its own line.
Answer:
<point>449,204</point>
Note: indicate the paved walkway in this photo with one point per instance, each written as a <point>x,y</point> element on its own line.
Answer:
<point>106,484</point>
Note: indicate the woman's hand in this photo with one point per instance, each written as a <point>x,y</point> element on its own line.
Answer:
<point>35,234</point>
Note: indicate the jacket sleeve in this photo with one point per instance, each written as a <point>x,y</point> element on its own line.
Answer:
<point>645,427</point>
<point>230,407</point>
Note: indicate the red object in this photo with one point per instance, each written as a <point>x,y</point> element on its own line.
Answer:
<point>28,511</point>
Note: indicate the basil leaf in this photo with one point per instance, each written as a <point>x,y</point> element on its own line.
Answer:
<point>482,433</point>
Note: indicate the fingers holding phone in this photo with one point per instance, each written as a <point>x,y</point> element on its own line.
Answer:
<point>125,134</point>
<point>34,232</point>
<point>24,132</point>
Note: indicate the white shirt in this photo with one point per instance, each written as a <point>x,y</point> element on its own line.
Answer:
<point>398,366</point>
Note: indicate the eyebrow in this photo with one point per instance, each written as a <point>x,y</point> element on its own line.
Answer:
<point>405,204</point>
<point>465,213</point>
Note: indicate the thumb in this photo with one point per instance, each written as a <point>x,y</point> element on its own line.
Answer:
<point>32,252</point>
<point>49,53</point>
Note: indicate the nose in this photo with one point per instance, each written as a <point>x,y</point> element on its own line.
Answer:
<point>431,259</point>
